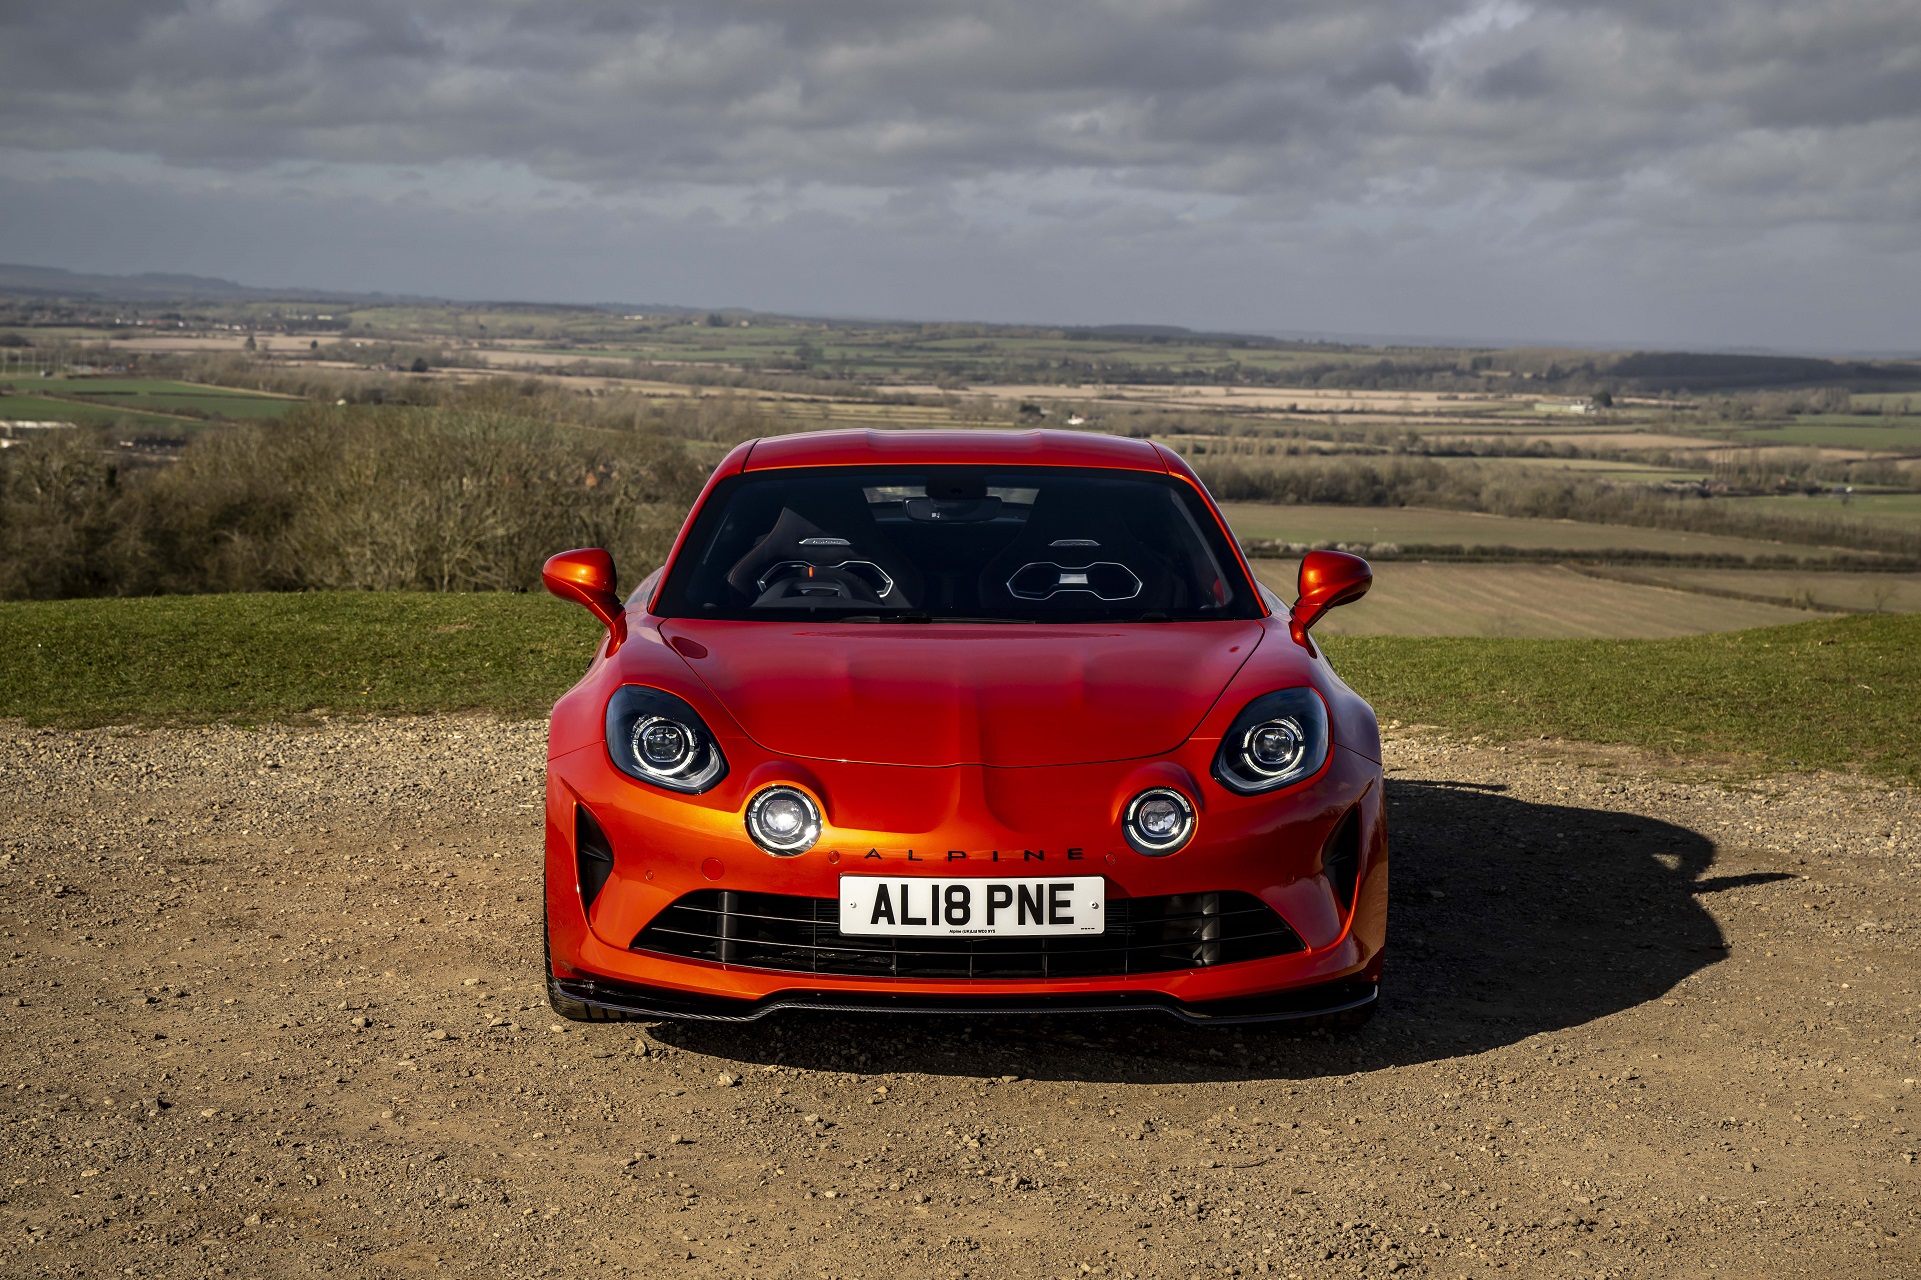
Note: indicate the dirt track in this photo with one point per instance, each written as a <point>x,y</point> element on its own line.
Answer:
<point>271,1006</point>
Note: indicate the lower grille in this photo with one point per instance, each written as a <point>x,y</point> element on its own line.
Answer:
<point>802,935</point>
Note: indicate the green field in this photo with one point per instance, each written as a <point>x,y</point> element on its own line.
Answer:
<point>1828,693</point>
<point>271,657</point>
<point>1900,510</point>
<point>1817,694</point>
<point>157,395</point>
<point>1838,431</point>
<point>18,408</point>
<point>1416,526</point>
<point>149,403</point>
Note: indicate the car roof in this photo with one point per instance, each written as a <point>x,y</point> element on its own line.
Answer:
<point>966,448</point>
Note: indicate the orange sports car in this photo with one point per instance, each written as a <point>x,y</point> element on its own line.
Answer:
<point>977,721</point>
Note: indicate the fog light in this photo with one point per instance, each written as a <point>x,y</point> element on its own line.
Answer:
<point>783,821</point>
<point>1158,821</point>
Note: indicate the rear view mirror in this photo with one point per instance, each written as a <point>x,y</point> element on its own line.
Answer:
<point>1328,578</point>
<point>586,577</point>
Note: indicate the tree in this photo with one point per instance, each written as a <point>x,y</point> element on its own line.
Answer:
<point>419,365</point>
<point>1604,399</point>
<point>715,320</point>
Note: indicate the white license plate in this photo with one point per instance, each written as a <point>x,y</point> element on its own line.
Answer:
<point>876,905</point>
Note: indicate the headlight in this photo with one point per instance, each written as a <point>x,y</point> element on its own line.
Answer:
<point>1277,740</point>
<point>783,821</point>
<point>658,738</point>
<point>1158,821</point>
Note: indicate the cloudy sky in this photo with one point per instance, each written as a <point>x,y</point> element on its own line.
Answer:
<point>1655,172</point>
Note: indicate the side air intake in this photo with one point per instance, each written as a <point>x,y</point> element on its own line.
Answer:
<point>1341,858</point>
<point>593,856</point>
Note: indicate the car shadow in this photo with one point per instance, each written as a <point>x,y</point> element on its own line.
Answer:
<point>1508,919</point>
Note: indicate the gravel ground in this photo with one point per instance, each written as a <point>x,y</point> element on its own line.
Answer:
<point>271,1006</point>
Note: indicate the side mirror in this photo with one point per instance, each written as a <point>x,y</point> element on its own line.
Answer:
<point>586,577</point>
<point>1328,578</point>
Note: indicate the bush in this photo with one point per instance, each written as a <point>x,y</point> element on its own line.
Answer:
<point>359,498</point>
<point>63,503</point>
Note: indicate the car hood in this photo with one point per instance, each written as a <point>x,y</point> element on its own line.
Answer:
<point>948,694</point>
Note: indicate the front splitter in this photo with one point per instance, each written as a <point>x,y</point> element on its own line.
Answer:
<point>603,1001</point>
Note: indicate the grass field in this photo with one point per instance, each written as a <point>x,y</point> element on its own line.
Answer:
<point>1545,601</point>
<point>147,401</point>
<point>1881,435</point>
<point>1900,510</point>
<point>1827,693</point>
<point>1817,694</point>
<point>270,657</point>
<point>19,408</point>
<point>162,396</point>
<point>1415,526</point>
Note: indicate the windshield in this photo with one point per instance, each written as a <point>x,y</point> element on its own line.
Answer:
<point>1033,544</point>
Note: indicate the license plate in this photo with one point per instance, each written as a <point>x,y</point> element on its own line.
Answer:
<point>878,906</point>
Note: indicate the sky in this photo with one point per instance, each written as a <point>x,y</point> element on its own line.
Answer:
<point>1704,173</point>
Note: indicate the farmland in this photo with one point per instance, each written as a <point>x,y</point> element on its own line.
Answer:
<point>145,402</point>
<point>1803,589</point>
<point>1895,435</point>
<point>1544,601</point>
<point>30,408</point>
<point>1502,463</point>
<point>1406,526</point>
<point>1896,510</point>
<point>162,396</point>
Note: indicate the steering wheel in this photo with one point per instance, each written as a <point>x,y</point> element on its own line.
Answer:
<point>805,585</point>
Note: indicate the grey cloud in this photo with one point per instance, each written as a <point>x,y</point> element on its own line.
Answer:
<point>1392,66</point>
<point>1526,75</point>
<point>1172,126</point>
<point>883,95</point>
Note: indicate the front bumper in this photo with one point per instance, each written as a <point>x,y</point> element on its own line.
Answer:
<point>999,822</point>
